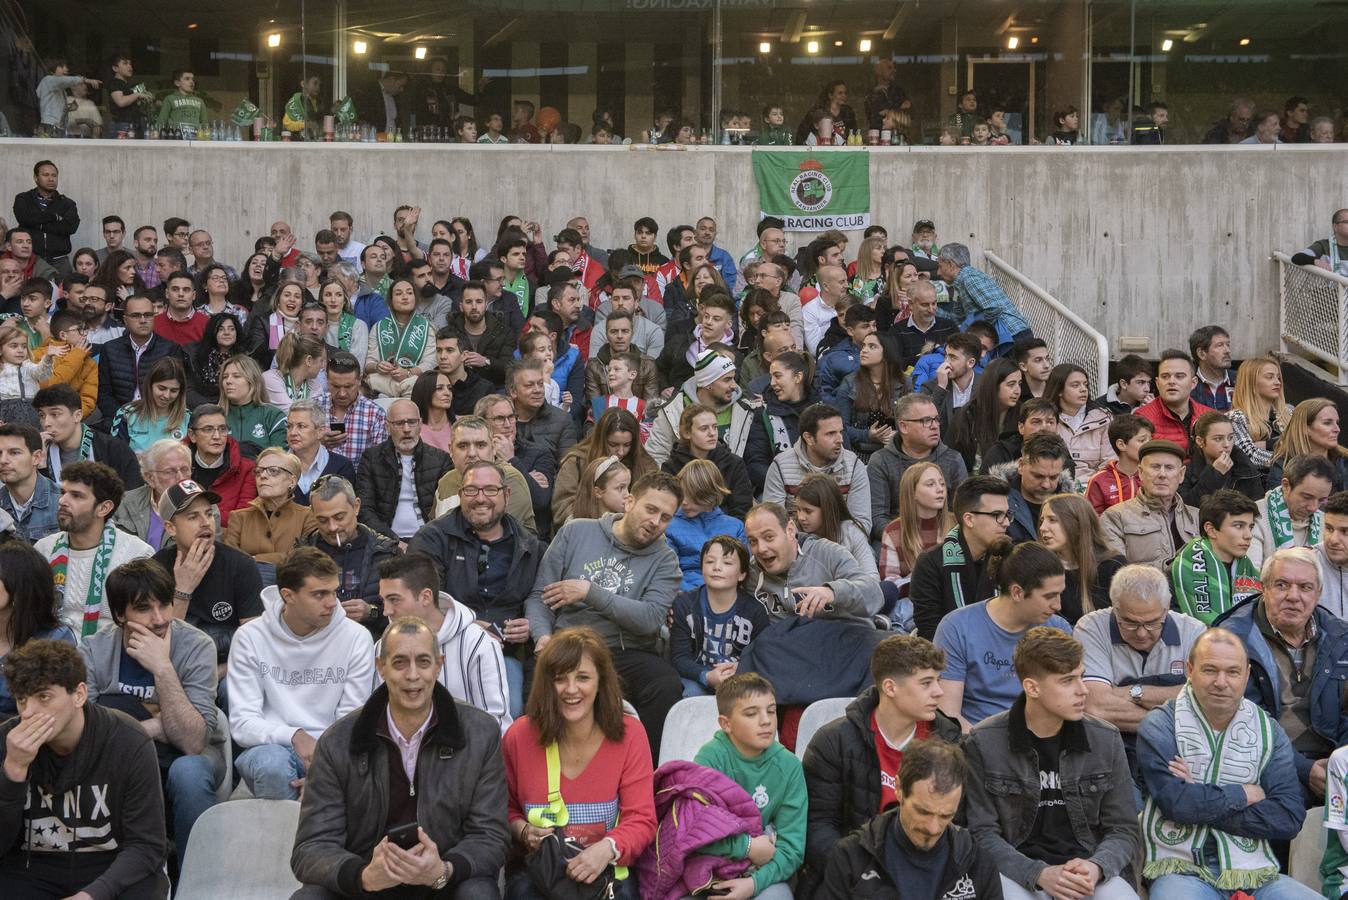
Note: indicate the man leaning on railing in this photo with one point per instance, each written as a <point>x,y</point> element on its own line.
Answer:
<point>1329,253</point>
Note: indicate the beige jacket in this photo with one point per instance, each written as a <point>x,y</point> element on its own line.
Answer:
<point>1089,442</point>
<point>1142,530</point>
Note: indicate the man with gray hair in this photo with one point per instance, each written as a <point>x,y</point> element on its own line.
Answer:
<point>1215,805</point>
<point>1135,649</point>
<point>976,296</point>
<point>164,463</point>
<point>306,423</point>
<point>1296,650</point>
<point>356,548</point>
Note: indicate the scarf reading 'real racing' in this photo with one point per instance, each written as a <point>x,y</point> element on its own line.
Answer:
<point>1204,586</point>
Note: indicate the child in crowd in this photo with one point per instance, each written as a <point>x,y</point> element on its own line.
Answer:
<point>20,377</point>
<point>622,375</point>
<point>183,111</point>
<point>700,518</point>
<point>1118,480</point>
<point>1219,463</point>
<point>1213,572</point>
<point>35,304</point>
<point>774,133</point>
<point>495,129</point>
<point>51,96</point>
<point>950,136</point>
<point>714,622</point>
<point>746,749</point>
<point>982,134</point>
<point>822,133</point>
<point>465,129</point>
<point>537,345</point>
<point>604,488</point>
<point>74,366</point>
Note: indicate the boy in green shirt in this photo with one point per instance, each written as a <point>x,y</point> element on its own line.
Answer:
<point>183,111</point>
<point>746,750</point>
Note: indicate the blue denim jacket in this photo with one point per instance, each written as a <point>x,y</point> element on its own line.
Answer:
<point>39,520</point>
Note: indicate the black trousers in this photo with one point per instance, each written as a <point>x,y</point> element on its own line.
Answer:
<point>652,685</point>
<point>47,878</point>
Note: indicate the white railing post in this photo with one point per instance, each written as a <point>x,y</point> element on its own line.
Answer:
<point>1069,337</point>
<point>1313,317</point>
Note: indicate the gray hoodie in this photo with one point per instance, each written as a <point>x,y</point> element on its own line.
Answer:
<point>192,653</point>
<point>820,563</point>
<point>886,469</point>
<point>631,588</point>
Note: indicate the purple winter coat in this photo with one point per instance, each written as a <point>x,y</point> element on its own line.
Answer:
<point>694,806</point>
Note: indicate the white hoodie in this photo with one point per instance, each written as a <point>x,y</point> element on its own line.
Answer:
<point>474,668</point>
<point>279,683</point>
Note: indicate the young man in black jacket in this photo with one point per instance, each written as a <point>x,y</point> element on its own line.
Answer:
<point>914,850</point>
<point>1051,799</point>
<point>81,808</point>
<point>852,764</point>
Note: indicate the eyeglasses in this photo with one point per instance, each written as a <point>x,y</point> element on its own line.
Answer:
<point>1001,516</point>
<point>139,315</point>
<point>925,421</point>
<point>179,472</point>
<point>272,471</point>
<point>491,491</point>
<point>404,423</point>
<point>502,420</point>
<point>1138,627</point>
<point>211,429</point>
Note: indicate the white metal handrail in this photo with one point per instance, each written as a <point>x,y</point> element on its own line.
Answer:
<point>1068,336</point>
<point>1311,316</point>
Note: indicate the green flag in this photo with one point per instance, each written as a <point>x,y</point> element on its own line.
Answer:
<point>346,111</point>
<point>815,191</point>
<point>244,113</point>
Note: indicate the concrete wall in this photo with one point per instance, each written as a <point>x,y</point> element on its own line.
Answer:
<point>1139,242</point>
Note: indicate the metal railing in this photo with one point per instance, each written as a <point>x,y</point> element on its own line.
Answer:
<point>1312,317</point>
<point>1069,338</point>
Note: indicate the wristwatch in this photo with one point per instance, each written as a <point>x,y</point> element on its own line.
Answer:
<point>440,883</point>
<point>1135,694</point>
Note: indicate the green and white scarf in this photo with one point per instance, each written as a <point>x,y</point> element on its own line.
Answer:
<point>402,346</point>
<point>952,560</point>
<point>1236,755</point>
<point>1280,522</point>
<point>345,325</point>
<point>93,597</point>
<point>1205,587</point>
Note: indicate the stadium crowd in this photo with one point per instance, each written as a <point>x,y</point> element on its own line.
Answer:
<point>434,536</point>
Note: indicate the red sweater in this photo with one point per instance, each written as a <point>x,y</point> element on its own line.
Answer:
<point>181,333</point>
<point>614,797</point>
<point>1168,426</point>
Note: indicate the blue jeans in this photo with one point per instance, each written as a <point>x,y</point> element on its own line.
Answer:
<point>268,769</point>
<point>515,685</point>
<point>1191,887</point>
<point>190,790</point>
<point>693,689</point>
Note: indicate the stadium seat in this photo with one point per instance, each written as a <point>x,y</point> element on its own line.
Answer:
<point>259,832</point>
<point>1308,848</point>
<point>816,715</point>
<point>689,725</point>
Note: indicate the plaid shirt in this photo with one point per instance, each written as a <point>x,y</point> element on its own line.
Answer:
<point>980,297</point>
<point>1217,396</point>
<point>366,426</point>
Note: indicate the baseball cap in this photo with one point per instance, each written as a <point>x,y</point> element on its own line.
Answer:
<point>924,225</point>
<point>180,496</point>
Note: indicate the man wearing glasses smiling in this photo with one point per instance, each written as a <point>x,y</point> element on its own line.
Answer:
<point>1135,650</point>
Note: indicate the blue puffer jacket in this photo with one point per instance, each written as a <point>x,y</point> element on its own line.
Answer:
<point>841,360</point>
<point>687,535</point>
<point>1329,719</point>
